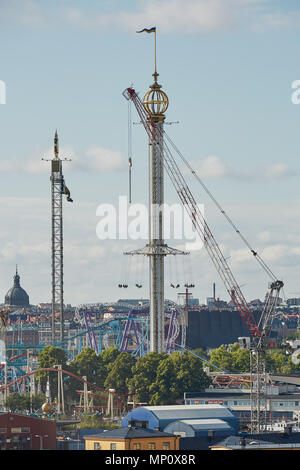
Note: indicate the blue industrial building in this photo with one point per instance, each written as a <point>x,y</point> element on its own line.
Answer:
<point>195,420</point>
<point>199,428</point>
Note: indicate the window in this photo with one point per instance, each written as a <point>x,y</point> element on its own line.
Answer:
<point>151,445</point>
<point>113,446</point>
<point>179,433</point>
<point>166,445</point>
<point>139,424</point>
<point>137,446</point>
<point>97,446</point>
<point>19,430</point>
<point>3,430</point>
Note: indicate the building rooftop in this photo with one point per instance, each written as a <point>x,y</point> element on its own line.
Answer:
<point>189,411</point>
<point>215,395</point>
<point>16,296</point>
<point>204,423</point>
<point>25,415</point>
<point>129,433</point>
<point>261,441</point>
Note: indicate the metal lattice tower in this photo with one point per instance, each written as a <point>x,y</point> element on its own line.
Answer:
<point>258,390</point>
<point>57,244</point>
<point>58,188</point>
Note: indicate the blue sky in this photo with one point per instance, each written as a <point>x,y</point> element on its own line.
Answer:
<point>227,67</point>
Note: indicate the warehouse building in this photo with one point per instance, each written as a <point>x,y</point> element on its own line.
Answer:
<point>282,400</point>
<point>159,417</point>
<point>200,427</point>
<point>23,432</point>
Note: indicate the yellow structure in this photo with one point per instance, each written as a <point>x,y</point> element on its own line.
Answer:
<point>130,438</point>
<point>46,408</point>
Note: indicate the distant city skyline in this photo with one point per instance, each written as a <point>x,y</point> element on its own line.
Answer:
<point>230,69</point>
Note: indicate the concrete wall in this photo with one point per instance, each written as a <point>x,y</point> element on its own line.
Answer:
<point>211,328</point>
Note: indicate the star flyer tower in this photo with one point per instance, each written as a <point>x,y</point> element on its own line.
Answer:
<point>156,103</point>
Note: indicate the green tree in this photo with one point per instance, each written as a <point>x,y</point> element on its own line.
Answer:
<point>120,373</point>
<point>185,380</point>
<point>109,356</point>
<point>48,357</point>
<point>200,352</point>
<point>280,363</point>
<point>222,358</point>
<point>163,390</point>
<point>240,360</point>
<point>17,401</point>
<point>37,401</point>
<point>86,364</point>
<point>144,374</point>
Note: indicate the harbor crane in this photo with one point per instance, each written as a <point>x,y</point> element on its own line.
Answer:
<point>259,330</point>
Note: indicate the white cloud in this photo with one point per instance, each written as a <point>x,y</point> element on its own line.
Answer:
<point>264,236</point>
<point>277,21</point>
<point>277,171</point>
<point>187,17</point>
<point>241,255</point>
<point>190,16</point>
<point>101,159</point>
<point>22,12</point>
<point>94,159</point>
<point>93,267</point>
<point>212,167</point>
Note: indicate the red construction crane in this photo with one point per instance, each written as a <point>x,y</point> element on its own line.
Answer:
<point>196,216</point>
<point>260,331</point>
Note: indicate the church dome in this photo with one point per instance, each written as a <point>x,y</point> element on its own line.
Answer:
<point>16,296</point>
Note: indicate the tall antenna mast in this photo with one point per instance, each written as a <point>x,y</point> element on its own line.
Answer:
<point>58,188</point>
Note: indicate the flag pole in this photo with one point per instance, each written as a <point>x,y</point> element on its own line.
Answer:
<point>155,49</point>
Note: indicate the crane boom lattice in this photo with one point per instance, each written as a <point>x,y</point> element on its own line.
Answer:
<point>195,214</point>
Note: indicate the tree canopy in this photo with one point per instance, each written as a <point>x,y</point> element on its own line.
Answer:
<point>144,374</point>
<point>120,373</point>
<point>49,357</point>
<point>90,365</point>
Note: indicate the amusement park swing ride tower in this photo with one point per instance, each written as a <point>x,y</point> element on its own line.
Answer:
<point>156,103</point>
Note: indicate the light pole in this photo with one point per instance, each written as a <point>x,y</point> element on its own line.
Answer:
<point>4,364</point>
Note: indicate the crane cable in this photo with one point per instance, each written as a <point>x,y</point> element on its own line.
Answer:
<point>254,253</point>
<point>129,148</point>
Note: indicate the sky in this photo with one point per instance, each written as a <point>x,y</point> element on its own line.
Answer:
<point>228,68</point>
